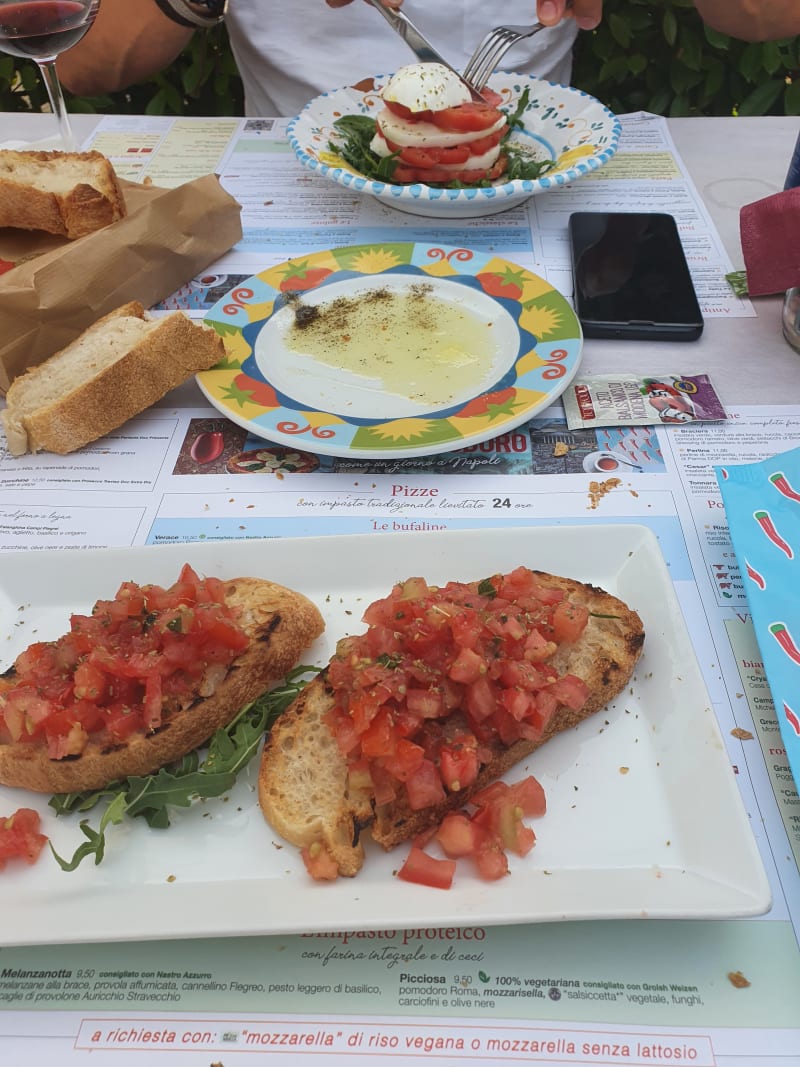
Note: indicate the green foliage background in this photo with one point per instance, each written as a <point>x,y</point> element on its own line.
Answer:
<point>656,57</point>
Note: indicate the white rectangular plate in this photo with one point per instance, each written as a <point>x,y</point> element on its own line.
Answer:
<point>644,817</point>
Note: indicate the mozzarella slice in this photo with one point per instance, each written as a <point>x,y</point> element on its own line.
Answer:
<point>426,134</point>
<point>426,87</point>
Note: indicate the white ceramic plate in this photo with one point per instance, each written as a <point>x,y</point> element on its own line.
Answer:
<point>319,405</point>
<point>560,123</point>
<point>669,838</point>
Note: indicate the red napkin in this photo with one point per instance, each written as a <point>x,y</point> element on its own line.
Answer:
<point>770,232</point>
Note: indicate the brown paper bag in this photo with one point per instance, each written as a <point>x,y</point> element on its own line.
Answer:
<point>168,237</point>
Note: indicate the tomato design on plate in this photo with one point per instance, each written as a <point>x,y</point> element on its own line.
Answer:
<point>247,390</point>
<point>508,284</point>
<point>303,277</point>
<point>500,402</point>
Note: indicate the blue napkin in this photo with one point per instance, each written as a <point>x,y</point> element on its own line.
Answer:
<point>762,502</point>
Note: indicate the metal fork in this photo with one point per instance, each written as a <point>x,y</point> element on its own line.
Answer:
<point>492,49</point>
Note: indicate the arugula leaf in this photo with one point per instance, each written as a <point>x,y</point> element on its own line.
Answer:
<point>357,132</point>
<point>183,782</point>
<point>515,119</point>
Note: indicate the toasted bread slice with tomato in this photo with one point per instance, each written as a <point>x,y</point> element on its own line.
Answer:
<point>305,789</point>
<point>280,624</point>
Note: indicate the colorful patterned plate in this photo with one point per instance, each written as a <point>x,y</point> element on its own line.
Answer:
<point>560,123</point>
<point>295,400</point>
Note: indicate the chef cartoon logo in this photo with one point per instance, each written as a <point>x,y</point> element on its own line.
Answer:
<point>669,399</point>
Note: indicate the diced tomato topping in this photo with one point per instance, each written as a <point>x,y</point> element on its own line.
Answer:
<point>493,830</point>
<point>444,678</point>
<point>569,621</point>
<point>20,837</point>
<point>319,862</point>
<point>122,668</point>
<point>458,763</point>
<point>425,788</point>
<point>492,862</point>
<point>459,836</point>
<point>423,869</point>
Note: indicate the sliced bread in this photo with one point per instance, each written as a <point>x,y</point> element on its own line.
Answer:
<point>65,193</point>
<point>114,370</point>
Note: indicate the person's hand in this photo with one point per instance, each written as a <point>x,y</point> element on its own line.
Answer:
<point>587,13</point>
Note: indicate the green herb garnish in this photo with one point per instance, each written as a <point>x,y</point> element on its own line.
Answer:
<point>387,659</point>
<point>182,782</point>
<point>487,588</point>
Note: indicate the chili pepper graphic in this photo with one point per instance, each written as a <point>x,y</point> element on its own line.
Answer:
<point>724,472</point>
<point>753,574</point>
<point>781,634</point>
<point>792,719</point>
<point>764,520</point>
<point>781,483</point>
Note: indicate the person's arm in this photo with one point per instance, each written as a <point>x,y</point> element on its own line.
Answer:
<point>129,42</point>
<point>752,20</point>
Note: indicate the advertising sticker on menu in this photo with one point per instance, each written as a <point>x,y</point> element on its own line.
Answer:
<point>631,400</point>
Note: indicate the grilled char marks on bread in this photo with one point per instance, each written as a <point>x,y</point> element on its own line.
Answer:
<point>70,194</point>
<point>281,624</point>
<point>303,781</point>
<point>114,370</point>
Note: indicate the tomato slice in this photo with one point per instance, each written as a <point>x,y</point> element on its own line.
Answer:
<point>424,869</point>
<point>467,118</point>
<point>406,113</point>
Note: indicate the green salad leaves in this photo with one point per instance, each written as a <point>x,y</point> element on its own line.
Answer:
<point>356,133</point>
<point>181,783</point>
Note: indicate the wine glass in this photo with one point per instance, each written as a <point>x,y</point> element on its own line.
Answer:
<point>40,30</point>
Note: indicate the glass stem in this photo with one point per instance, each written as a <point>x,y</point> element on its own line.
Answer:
<point>53,86</point>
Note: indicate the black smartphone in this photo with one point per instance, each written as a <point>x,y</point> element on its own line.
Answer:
<point>631,277</point>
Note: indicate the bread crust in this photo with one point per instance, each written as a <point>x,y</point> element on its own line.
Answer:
<point>281,624</point>
<point>103,399</point>
<point>93,200</point>
<point>604,658</point>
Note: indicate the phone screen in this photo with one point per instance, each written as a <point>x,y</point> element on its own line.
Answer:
<point>631,277</point>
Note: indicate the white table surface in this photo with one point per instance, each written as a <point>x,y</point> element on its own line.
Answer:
<point>733,161</point>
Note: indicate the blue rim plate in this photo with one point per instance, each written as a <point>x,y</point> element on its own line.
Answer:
<point>560,123</point>
<point>323,410</point>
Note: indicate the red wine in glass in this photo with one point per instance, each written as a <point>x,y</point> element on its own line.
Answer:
<point>40,30</point>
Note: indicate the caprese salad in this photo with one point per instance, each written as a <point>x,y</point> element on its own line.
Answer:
<point>430,130</point>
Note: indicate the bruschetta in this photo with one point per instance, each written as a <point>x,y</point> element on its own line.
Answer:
<point>146,678</point>
<point>446,690</point>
